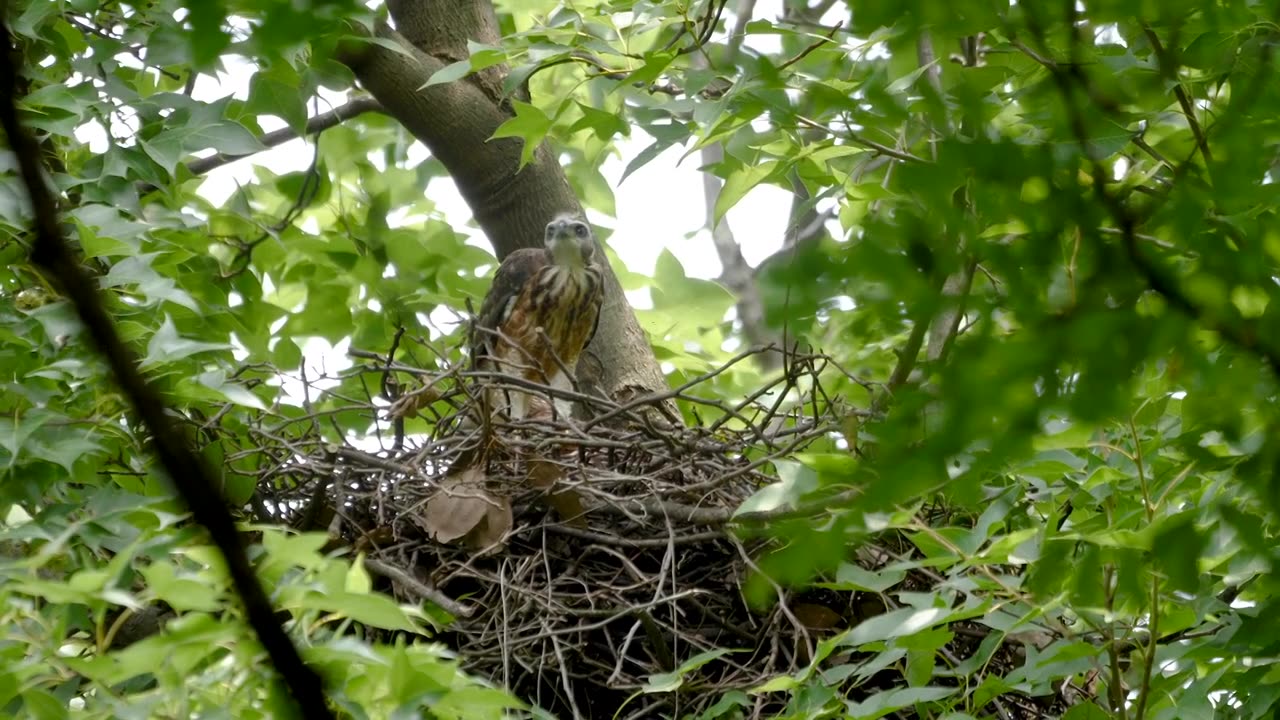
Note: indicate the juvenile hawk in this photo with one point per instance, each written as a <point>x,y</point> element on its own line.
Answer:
<point>540,312</point>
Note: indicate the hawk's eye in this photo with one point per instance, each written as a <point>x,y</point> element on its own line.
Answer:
<point>580,229</point>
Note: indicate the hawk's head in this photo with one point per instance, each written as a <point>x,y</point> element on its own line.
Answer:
<point>570,242</point>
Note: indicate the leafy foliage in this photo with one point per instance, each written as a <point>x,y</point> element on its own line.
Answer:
<point>1088,467</point>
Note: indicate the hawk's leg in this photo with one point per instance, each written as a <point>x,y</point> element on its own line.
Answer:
<point>562,408</point>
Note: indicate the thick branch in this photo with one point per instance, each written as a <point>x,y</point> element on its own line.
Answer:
<point>511,204</point>
<point>185,470</point>
<point>319,123</point>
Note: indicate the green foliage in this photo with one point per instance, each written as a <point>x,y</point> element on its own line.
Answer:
<point>1090,464</point>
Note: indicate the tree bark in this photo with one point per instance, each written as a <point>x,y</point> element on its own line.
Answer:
<point>511,204</point>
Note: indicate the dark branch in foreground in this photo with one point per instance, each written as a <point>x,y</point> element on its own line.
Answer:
<point>189,476</point>
<point>319,123</point>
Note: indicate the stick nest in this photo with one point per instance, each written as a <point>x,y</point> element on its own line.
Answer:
<point>594,615</point>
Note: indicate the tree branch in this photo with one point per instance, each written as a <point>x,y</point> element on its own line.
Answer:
<point>907,358</point>
<point>955,291</point>
<point>942,333</point>
<point>319,123</point>
<point>859,140</point>
<point>185,470</point>
<point>1169,68</point>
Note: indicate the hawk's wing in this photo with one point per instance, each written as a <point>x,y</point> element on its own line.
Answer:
<point>516,270</point>
<point>595,324</point>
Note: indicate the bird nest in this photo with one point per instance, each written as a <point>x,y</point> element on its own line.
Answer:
<point>585,562</point>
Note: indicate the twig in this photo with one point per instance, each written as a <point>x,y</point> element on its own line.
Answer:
<point>859,140</point>
<point>1170,69</point>
<point>805,52</point>
<point>391,572</point>
<point>318,123</point>
<point>185,470</point>
<point>1029,52</point>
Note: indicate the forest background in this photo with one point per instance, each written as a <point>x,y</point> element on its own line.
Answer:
<point>1025,252</point>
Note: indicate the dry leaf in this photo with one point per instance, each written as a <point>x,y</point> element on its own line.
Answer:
<point>493,527</point>
<point>383,535</point>
<point>816,617</point>
<point>464,509</point>
<point>567,503</point>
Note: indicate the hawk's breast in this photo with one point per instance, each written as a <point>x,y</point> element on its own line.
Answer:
<point>564,303</point>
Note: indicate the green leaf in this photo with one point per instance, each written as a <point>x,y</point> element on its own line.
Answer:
<point>602,123</point>
<point>896,623</point>
<point>449,73</point>
<point>276,91</point>
<point>671,681</point>
<point>358,580</point>
<point>376,610</point>
<point>740,182</point>
<point>475,703</point>
<point>699,303</point>
<point>794,481</point>
<point>167,346</point>
<point>529,124</point>
<point>1178,546</point>
<point>654,64</point>
<point>183,593</point>
<point>884,703</point>
<point>208,38</point>
<point>779,683</point>
<point>852,577</point>
<point>171,146</point>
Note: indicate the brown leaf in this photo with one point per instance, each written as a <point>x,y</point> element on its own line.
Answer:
<point>464,509</point>
<point>493,527</point>
<point>566,502</point>
<point>544,473</point>
<point>816,617</point>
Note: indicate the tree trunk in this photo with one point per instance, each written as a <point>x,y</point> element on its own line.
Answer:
<point>455,121</point>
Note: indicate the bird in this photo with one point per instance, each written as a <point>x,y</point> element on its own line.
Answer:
<point>540,312</point>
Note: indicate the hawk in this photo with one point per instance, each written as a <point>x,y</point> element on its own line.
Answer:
<point>539,314</point>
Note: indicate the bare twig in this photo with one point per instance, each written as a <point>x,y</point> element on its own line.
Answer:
<point>859,140</point>
<point>316,124</point>
<point>416,586</point>
<point>827,37</point>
